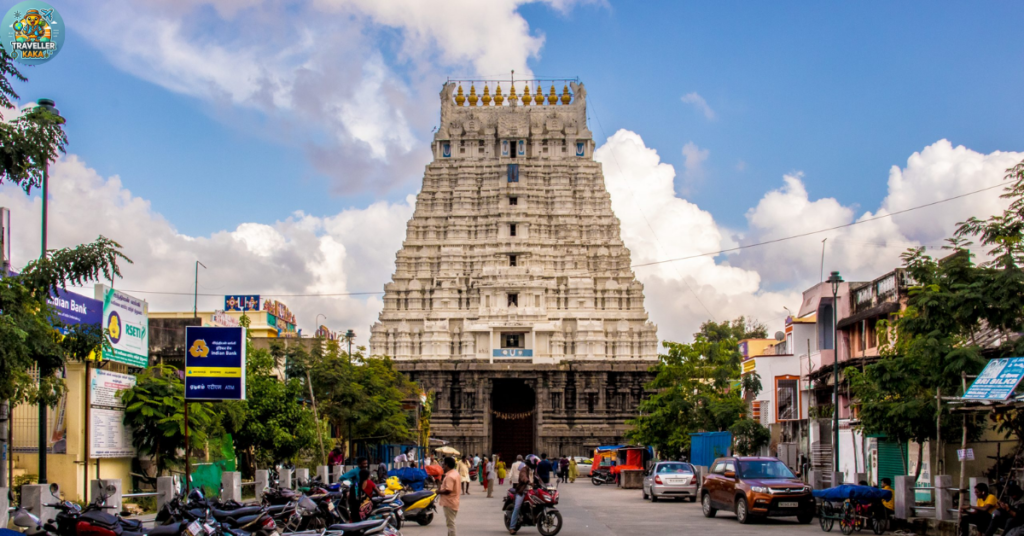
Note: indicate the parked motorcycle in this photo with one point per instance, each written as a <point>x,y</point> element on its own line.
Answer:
<point>538,509</point>
<point>601,478</point>
<point>420,506</point>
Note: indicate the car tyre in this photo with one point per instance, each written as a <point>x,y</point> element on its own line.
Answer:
<point>706,508</point>
<point>654,498</point>
<point>743,511</point>
<point>646,496</point>
<point>805,518</point>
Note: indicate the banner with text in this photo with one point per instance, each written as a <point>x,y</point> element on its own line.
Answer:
<point>214,363</point>
<point>127,320</point>
<point>108,436</point>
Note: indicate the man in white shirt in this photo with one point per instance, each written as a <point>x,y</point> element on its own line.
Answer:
<point>513,472</point>
<point>400,461</point>
<point>491,474</point>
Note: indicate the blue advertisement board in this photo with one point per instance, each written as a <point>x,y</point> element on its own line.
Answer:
<point>74,309</point>
<point>214,363</point>
<point>998,380</point>
<point>242,302</point>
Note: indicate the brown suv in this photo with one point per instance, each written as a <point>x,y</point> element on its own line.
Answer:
<point>755,487</point>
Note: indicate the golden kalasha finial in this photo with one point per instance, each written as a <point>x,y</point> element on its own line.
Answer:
<point>553,97</point>
<point>487,96</point>
<point>565,95</point>
<point>527,98</point>
<point>460,99</point>
<point>540,95</point>
<point>498,99</point>
<point>512,95</point>
<point>472,95</point>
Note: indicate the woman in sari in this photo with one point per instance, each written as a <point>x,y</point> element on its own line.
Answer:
<point>573,470</point>
<point>501,470</point>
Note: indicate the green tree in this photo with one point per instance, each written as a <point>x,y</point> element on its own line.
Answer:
<point>362,396</point>
<point>748,436</point>
<point>278,426</point>
<point>694,392</point>
<point>740,328</point>
<point>155,411</point>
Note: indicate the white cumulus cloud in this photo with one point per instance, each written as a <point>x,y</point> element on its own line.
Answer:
<point>694,99</point>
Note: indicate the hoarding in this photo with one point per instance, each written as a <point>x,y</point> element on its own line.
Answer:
<point>998,380</point>
<point>108,436</point>
<point>242,302</point>
<point>127,320</point>
<point>214,363</point>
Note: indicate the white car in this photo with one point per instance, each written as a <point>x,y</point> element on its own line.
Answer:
<point>582,466</point>
<point>671,479</point>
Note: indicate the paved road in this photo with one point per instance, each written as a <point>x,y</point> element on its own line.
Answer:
<point>604,511</point>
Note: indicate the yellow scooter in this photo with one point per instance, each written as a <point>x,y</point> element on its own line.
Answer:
<point>420,506</point>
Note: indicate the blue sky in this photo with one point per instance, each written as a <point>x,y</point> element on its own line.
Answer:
<point>832,94</point>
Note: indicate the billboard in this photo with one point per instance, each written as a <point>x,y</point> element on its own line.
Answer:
<point>242,302</point>
<point>998,380</point>
<point>127,320</point>
<point>74,309</point>
<point>108,436</point>
<point>214,363</point>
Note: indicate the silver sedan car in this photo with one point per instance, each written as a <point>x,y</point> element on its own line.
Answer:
<point>671,479</point>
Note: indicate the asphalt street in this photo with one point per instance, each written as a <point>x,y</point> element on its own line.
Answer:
<point>606,510</point>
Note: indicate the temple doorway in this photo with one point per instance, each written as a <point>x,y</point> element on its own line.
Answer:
<point>513,409</point>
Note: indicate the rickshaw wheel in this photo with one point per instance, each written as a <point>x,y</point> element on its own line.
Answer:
<point>846,526</point>
<point>826,523</point>
<point>878,526</point>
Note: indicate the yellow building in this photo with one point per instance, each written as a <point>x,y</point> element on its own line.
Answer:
<point>755,347</point>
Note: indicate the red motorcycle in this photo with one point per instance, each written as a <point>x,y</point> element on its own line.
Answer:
<point>538,509</point>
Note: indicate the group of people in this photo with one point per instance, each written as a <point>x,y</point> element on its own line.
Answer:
<point>484,469</point>
<point>989,513</point>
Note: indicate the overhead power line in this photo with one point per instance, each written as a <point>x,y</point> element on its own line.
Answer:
<point>640,265</point>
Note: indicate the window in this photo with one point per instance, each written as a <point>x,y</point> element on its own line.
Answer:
<point>764,469</point>
<point>787,405</point>
<point>513,298</point>
<point>674,468</point>
<point>513,173</point>
<point>719,468</point>
<point>591,402</point>
<point>511,229</point>
<point>512,260</point>
<point>511,340</point>
<point>513,201</point>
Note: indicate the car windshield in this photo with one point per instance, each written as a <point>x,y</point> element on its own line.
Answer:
<point>764,469</point>
<point>674,468</point>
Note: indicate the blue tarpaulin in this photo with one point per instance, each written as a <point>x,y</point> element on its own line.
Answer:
<point>410,476</point>
<point>850,491</point>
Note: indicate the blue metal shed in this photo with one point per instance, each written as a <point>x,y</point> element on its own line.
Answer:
<point>706,446</point>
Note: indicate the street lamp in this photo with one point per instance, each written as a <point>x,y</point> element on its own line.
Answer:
<point>317,322</point>
<point>835,280</point>
<point>50,107</point>
<point>195,297</point>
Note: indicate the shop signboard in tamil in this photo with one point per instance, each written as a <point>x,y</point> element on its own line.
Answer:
<point>127,321</point>
<point>214,363</point>
<point>74,309</point>
<point>998,380</point>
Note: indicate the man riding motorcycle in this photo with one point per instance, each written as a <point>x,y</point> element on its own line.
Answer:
<point>527,476</point>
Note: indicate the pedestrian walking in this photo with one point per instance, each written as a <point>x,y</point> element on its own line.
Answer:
<point>500,467</point>
<point>450,490</point>
<point>481,471</point>
<point>492,475</point>
<point>544,469</point>
<point>574,471</point>
<point>464,475</point>
<point>563,469</point>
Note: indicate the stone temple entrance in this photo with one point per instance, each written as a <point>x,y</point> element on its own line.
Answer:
<point>513,414</point>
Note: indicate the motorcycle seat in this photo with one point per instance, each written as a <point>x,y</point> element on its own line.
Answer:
<point>356,527</point>
<point>163,530</point>
<point>240,521</point>
<point>240,512</point>
<point>416,496</point>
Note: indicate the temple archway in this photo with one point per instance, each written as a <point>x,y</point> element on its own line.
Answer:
<point>513,414</point>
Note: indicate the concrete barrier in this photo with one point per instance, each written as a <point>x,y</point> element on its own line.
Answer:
<point>285,478</point>
<point>943,498</point>
<point>336,472</point>
<point>231,484</point>
<point>323,475</point>
<point>301,476</point>
<point>903,497</point>
<point>96,487</point>
<point>4,505</point>
<point>814,478</point>
<point>262,482</point>
<point>34,496</point>
<point>164,490</point>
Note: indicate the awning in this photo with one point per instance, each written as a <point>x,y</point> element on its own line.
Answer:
<point>876,311</point>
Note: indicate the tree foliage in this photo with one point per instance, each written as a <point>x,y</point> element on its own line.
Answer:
<point>155,411</point>
<point>694,392</point>
<point>748,436</point>
<point>739,328</point>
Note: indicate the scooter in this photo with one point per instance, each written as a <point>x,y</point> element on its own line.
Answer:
<point>420,506</point>
<point>538,510</point>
